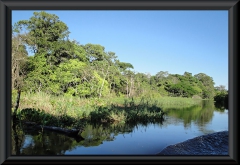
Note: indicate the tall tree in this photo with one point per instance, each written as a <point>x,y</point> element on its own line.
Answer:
<point>47,36</point>
<point>19,59</point>
<point>124,69</point>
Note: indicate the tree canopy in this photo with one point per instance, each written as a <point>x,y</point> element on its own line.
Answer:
<point>59,66</point>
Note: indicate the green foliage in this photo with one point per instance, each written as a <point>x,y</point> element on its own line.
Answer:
<point>130,112</point>
<point>67,111</point>
<point>44,31</point>
<point>100,81</point>
<point>124,65</point>
<point>80,53</point>
<point>207,85</point>
<point>95,52</point>
<point>61,67</point>
<point>183,88</point>
<point>221,100</point>
<point>40,117</point>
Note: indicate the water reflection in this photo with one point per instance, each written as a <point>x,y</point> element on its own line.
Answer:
<point>124,138</point>
<point>200,114</point>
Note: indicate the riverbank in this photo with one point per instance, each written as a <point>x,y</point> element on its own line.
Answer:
<point>210,144</point>
<point>67,111</point>
<point>71,105</point>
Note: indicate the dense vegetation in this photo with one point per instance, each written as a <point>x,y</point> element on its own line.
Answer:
<point>63,67</point>
<point>221,98</point>
<point>60,67</point>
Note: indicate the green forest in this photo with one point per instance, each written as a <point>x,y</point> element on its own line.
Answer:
<point>63,76</point>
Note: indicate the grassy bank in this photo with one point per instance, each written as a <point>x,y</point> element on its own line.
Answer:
<point>67,111</point>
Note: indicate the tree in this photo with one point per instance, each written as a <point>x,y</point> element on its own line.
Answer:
<point>47,36</point>
<point>19,58</point>
<point>207,85</point>
<point>79,52</point>
<point>60,66</point>
<point>95,52</point>
<point>142,84</point>
<point>187,74</point>
<point>161,75</point>
<point>124,65</point>
<point>124,69</point>
<point>220,89</point>
<point>221,97</point>
<point>114,74</point>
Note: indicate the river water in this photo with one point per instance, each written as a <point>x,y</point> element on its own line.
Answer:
<point>127,139</point>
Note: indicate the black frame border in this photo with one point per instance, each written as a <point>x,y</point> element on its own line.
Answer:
<point>6,6</point>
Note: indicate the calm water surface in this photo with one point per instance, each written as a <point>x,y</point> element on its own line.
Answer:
<point>128,139</point>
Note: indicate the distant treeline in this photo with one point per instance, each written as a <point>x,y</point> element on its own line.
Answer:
<point>60,66</point>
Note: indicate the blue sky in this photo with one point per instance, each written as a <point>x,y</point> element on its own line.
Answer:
<point>155,40</point>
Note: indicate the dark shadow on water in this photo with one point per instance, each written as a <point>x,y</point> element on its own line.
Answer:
<point>41,139</point>
<point>42,118</point>
<point>50,143</point>
<point>26,141</point>
<point>29,141</point>
<point>221,106</point>
<point>221,102</point>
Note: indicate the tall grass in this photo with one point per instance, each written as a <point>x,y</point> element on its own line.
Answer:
<point>177,102</point>
<point>58,106</point>
<point>64,108</point>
